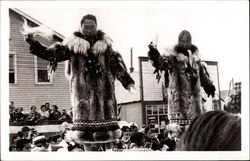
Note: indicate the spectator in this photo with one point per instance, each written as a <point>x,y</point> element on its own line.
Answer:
<point>133,128</point>
<point>125,140</point>
<point>19,137</point>
<point>23,145</point>
<point>40,144</point>
<point>214,131</point>
<point>56,139</point>
<point>33,116</point>
<point>19,116</point>
<point>155,144</point>
<point>64,115</point>
<point>47,105</point>
<point>54,113</point>
<point>169,141</point>
<point>12,111</point>
<point>44,114</point>
<point>26,132</point>
<point>137,140</point>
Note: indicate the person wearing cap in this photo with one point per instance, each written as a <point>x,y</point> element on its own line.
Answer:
<point>23,145</point>
<point>133,128</point>
<point>185,74</point>
<point>39,144</point>
<point>91,67</point>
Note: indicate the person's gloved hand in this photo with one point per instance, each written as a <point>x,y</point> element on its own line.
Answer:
<point>131,88</point>
<point>152,50</point>
<point>211,91</point>
<point>152,46</point>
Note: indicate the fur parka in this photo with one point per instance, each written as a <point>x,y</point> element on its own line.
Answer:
<point>183,80</point>
<point>91,68</point>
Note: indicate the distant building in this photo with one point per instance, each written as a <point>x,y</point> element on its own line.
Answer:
<point>231,99</point>
<point>149,104</point>
<point>29,83</point>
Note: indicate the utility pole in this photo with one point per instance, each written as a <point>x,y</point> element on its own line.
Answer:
<point>131,60</point>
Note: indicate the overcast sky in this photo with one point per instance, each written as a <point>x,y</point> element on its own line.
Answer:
<point>219,29</point>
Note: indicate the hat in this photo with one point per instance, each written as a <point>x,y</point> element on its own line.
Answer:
<point>26,128</point>
<point>39,139</point>
<point>133,124</point>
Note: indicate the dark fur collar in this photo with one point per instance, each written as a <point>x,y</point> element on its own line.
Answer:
<point>99,36</point>
<point>180,49</point>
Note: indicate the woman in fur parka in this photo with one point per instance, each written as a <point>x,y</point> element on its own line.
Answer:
<point>91,67</point>
<point>184,76</point>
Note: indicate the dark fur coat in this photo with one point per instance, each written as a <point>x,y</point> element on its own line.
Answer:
<point>184,80</point>
<point>91,68</point>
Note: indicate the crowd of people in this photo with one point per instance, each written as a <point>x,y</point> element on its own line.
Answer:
<point>211,131</point>
<point>133,138</point>
<point>36,116</point>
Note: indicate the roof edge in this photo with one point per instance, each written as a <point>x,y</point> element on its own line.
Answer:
<point>34,20</point>
<point>124,103</point>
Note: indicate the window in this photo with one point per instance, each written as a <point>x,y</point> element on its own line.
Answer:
<point>12,69</point>
<point>41,71</point>
<point>157,114</point>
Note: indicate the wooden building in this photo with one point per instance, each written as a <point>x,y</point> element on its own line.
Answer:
<point>29,83</point>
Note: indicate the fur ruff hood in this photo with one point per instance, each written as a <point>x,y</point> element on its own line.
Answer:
<point>78,44</point>
<point>174,51</point>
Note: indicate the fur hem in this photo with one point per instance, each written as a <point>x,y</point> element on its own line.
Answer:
<point>81,137</point>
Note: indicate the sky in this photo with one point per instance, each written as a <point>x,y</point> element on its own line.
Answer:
<point>219,29</point>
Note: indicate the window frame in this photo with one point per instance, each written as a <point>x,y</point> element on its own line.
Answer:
<point>36,74</point>
<point>12,53</point>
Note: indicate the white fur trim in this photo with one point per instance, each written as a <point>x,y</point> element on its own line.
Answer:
<point>77,44</point>
<point>101,45</point>
<point>80,45</point>
<point>196,56</point>
<point>108,40</point>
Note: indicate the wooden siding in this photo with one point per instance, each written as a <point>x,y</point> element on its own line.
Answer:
<point>132,113</point>
<point>26,92</point>
<point>152,90</point>
<point>212,68</point>
<point>123,95</point>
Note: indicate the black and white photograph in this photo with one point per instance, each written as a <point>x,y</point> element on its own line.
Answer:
<point>133,80</point>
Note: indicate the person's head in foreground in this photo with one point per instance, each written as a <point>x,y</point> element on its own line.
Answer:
<point>214,131</point>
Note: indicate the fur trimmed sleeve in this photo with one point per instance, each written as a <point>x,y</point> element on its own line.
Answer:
<point>206,83</point>
<point>119,70</point>
<point>157,60</point>
<point>54,54</point>
<point>49,53</point>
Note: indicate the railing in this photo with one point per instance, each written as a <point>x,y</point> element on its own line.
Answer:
<point>39,122</point>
